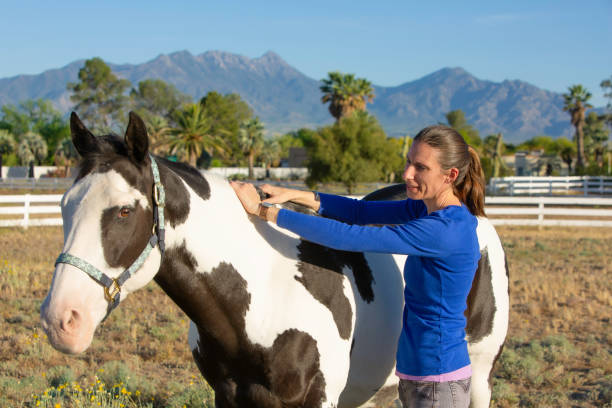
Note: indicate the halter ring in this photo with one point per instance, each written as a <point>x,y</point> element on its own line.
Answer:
<point>115,290</point>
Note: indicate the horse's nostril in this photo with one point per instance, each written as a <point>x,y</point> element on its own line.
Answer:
<point>70,321</point>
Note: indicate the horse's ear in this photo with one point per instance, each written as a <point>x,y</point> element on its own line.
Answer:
<point>136,139</point>
<point>84,141</point>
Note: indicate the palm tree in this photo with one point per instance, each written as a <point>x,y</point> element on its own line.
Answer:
<point>31,148</point>
<point>250,137</point>
<point>158,130</point>
<point>567,151</point>
<point>346,94</point>
<point>66,155</point>
<point>192,134</point>
<point>494,149</point>
<point>576,105</point>
<point>7,145</point>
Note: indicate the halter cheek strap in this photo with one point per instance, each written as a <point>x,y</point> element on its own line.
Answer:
<point>112,286</point>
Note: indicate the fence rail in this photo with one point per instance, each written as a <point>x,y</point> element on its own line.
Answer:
<point>539,211</point>
<point>559,211</point>
<point>576,185</point>
<point>28,204</point>
<point>43,183</point>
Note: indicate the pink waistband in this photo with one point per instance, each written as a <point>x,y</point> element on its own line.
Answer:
<point>460,374</point>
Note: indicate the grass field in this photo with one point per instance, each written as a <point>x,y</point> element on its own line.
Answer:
<point>558,352</point>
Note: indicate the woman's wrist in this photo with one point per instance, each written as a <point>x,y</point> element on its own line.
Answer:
<point>267,212</point>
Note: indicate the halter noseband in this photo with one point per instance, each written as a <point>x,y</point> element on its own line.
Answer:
<point>112,286</point>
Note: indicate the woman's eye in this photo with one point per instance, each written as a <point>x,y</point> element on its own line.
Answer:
<point>124,212</point>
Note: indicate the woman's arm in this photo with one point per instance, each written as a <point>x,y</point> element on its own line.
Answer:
<point>345,209</point>
<point>420,237</point>
<point>362,212</point>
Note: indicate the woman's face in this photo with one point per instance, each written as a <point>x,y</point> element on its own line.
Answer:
<point>425,179</point>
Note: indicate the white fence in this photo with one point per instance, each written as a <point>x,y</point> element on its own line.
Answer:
<point>28,204</point>
<point>540,211</point>
<point>577,185</point>
<point>559,211</point>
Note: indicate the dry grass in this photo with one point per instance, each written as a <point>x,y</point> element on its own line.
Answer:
<point>557,355</point>
<point>559,343</point>
<point>144,342</point>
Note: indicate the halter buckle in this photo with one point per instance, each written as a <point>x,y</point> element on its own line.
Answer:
<point>157,194</point>
<point>115,290</point>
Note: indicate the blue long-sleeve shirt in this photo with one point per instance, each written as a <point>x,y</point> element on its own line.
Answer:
<point>443,256</point>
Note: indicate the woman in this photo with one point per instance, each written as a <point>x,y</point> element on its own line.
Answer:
<point>436,226</point>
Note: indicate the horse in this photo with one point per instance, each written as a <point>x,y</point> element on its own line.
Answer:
<point>276,321</point>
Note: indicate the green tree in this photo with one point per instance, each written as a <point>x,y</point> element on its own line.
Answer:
<point>66,155</point>
<point>270,153</point>
<point>300,138</point>
<point>7,145</point>
<point>606,86</point>
<point>192,134</point>
<point>100,96</point>
<point>158,130</point>
<point>32,147</point>
<point>595,137</point>
<point>38,116</point>
<point>576,104</point>
<point>225,114</point>
<point>354,149</point>
<point>493,149</point>
<point>456,119</point>
<point>545,143</point>
<point>345,94</point>
<point>567,151</point>
<point>155,97</point>
<point>251,141</point>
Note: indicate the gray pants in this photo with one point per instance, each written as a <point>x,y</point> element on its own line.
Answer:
<point>428,394</point>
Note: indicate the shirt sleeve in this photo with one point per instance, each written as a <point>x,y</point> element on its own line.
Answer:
<point>362,212</point>
<point>422,236</point>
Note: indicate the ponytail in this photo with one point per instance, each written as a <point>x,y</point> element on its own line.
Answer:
<point>471,190</point>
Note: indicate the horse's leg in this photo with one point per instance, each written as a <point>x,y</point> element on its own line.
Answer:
<point>482,361</point>
<point>225,394</point>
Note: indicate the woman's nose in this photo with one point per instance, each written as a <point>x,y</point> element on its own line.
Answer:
<point>408,173</point>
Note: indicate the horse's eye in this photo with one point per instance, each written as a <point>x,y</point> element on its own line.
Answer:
<point>124,212</point>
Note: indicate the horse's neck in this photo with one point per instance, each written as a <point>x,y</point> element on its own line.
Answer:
<point>214,260</point>
<point>218,230</point>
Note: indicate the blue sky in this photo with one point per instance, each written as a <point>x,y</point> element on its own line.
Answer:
<point>551,44</point>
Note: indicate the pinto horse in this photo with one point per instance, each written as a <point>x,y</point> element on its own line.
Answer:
<point>275,321</point>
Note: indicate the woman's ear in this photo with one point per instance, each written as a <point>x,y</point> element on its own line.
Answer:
<point>452,175</point>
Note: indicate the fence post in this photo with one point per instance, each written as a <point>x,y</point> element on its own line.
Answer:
<point>601,180</point>
<point>26,211</point>
<point>540,212</point>
<point>585,185</point>
<point>550,183</point>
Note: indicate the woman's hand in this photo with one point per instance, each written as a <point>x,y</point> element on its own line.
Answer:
<point>247,195</point>
<point>279,195</point>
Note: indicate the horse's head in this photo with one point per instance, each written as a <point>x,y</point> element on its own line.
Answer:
<point>108,217</point>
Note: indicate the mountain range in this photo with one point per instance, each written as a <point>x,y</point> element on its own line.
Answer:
<point>285,99</point>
